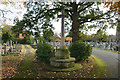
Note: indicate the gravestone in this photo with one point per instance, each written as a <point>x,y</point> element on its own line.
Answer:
<point>108,47</point>
<point>96,44</point>
<point>103,46</point>
<point>13,45</point>
<point>5,50</point>
<point>16,45</point>
<point>38,41</point>
<point>17,50</point>
<point>10,45</point>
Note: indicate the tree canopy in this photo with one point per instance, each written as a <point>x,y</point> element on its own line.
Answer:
<point>40,15</point>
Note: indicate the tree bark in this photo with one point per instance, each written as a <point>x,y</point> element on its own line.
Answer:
<point>118,33</point>
<point>75,26</point>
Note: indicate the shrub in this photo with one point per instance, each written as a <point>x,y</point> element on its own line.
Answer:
<point>80,50</point>
<point>26,40</point>
<point>44,52</point>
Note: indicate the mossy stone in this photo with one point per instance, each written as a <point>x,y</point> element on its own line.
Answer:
<point>76,67</point>
<point>62,63</point>
<point>62,59</point>
<point>62,54</point>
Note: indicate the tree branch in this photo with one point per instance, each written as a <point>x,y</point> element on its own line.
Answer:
<point>68,5</point>
<point>86,7</point>
<point>3,12</point>
<point>87,19</point>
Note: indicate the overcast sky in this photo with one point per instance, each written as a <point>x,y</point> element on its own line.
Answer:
<point>18,10</point>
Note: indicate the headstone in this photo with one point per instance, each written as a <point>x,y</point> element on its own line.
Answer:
<point>7,43</point>
<point>96,44</point>
<point>10,45</point>
<point>108,47</point>
<point>16,45</point>
<point>5,50</point>
<point>13,45</point>
<point>111,45</point>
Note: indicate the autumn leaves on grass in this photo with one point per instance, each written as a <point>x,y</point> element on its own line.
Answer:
<point>9,65</point>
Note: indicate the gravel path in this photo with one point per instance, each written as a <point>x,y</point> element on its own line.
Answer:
<point>111,59</point>
<point>28,51</point>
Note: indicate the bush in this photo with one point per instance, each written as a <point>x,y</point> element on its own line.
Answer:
<point>26,40</point>
<point>80,50</point>
<point>44,52</point>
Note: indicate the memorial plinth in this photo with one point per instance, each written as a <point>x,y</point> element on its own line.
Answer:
<point>62,59</point>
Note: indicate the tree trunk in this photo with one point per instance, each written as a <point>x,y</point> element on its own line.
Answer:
<point>118,33</point>
<point>75,26</point>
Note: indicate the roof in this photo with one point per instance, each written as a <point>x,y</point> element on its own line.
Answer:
<point>68,38</point>
<point>57,40</point>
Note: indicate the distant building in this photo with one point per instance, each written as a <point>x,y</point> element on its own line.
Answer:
<point>57,39</point>
<point>21,36</point>
<point>68,39</point>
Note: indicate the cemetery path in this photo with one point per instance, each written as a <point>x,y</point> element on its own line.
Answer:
<point>111,59</point>
<point>26,68</point>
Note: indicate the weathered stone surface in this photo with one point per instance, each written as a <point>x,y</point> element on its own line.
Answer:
<point>62,59</point>
<point>62,54</point>
<point>62,63</point>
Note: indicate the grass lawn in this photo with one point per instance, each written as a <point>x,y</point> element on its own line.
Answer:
<point>30,68</point>
<point>99,70</point>
<point>81,73</point>
<point>90,69</point>
<point>26,68</point>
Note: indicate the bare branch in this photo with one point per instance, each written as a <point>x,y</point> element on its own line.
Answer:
<point>3,12</point>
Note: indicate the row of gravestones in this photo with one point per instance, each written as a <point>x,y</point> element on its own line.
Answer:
<point>57,43</point>
<point>102,45</point>
<point>105,45</point>
<point>54,44</point>
<point>14,48</point>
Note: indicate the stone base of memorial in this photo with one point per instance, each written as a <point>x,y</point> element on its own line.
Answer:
<point>63,61</point>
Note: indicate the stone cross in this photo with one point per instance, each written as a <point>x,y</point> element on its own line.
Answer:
<point>62,28</point>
